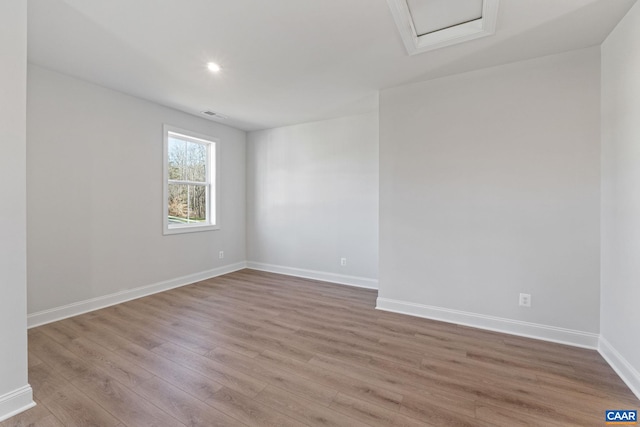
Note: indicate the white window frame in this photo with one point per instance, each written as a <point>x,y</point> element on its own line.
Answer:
<point>212,222</point>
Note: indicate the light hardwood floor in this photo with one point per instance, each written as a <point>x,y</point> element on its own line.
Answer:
<point>253,348</point>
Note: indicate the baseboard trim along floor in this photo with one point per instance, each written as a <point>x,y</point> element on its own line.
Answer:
<point>81,307</point>
<point>360,282</point>
<point>491,323</point>
<point>15,402</point>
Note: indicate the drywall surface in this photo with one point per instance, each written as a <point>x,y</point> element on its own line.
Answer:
<point>95,194</point>
<point>15,394</point>
<point>313,198</point>
<point>490,187</point>
<point>620,324</point>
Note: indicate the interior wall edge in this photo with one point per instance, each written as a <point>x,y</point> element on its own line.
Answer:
<point>537,331</point>
<point>341,279</point>
<point>63,312</point>
<point>15,393</point>
<point>620,365</point>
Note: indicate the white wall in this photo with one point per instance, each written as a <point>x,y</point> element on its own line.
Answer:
<point>489,187</point>
<point>95,195</point>
<point>620,324</point>
<point>15,393</point>
<point>313,199</point>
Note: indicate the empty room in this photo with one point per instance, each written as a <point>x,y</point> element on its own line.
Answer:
<point>319,213</point>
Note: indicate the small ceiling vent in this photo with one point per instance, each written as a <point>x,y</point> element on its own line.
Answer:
<point>214,114</point>
<point>432,24</point>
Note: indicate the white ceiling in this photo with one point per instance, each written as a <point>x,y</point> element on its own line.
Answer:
<point>284,61</point>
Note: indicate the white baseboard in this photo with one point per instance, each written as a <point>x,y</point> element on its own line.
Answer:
<point>74,309</point>
<point>491,323</point>
<point>16,401</point>
<point>623,368</point>
<point>360,282</point>
<point>20,400</point>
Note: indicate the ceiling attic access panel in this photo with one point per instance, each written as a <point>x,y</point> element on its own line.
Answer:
<point>433,24</point>
<point>429,16</point>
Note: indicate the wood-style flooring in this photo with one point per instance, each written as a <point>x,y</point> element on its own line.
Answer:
<point>260,349</point>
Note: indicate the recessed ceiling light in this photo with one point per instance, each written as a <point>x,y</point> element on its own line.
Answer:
<point>213,67</point>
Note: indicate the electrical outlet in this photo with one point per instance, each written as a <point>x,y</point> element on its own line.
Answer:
<point>525,300</point>
<point>221,254</point>
<point>343,261</point>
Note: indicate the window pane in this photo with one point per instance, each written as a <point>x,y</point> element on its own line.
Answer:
<point>177,158</point>
<point>187,204</point>
<point>198,203</point>
<point>178,204</point>
<point>187,160</point>
<point>196,162</point>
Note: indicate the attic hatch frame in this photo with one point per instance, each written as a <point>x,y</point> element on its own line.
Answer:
<point>415,44</point>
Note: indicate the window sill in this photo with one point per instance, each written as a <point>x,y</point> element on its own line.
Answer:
<point>189,229</point>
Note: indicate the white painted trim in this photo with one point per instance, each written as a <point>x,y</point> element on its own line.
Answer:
<point>74,309</point>
<point>415,44</point>
<point>491,323</point>
<point>360,282</point>
<point>15,402</point>
<point>623,368</point>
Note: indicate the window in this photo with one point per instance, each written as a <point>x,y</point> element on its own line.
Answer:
<point>189,182</point>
